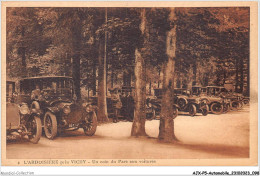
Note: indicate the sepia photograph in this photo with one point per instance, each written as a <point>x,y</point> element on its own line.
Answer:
<point>129,85</point>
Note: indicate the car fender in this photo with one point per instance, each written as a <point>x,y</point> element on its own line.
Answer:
<point>54,109</point>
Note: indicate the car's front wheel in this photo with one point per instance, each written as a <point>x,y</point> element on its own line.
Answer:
<point>90,125</point>
<point>50,125</point>
<point>216,108</point>
<point>34,127</point>
<point>192,110</point>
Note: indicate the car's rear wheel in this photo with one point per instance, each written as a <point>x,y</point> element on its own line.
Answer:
<point>234,105</point>
<point>34,127</point>
<point>192,110</point>
<point>90,125</point>
<point>50,125</point>
<point>246,102</point>
<point>216,108</point>
<point>205,110</point>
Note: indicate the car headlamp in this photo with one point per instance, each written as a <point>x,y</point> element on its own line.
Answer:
<point>24,109</point>
<point>66,109</point>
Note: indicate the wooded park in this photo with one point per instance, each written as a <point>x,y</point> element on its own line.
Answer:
<point>145,48</point>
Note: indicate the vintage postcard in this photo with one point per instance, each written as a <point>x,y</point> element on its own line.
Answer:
<point>129,84</point>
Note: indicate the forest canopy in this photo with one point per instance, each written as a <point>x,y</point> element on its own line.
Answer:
<point>212,44</point>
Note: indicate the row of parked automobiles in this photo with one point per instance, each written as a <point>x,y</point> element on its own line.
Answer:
<point>214,99</point>
<point>49,105</point>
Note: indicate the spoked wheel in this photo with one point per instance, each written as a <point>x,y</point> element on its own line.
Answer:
<point>246,102</point>
<point>182,103</point>
<point>192,110</point>
<point>226,108</point>
<point>235,105</point>
<point>90,125</point>
<point>216,108</point>
<point>205,110</point>
<point>34,128</point>
<point>50,125</point>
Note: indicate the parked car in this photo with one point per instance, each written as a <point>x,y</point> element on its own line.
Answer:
<point>19,118</point>
<point>237,99</point>
<point>217,104</point>
<point>59,109</point>
<point>189,102</point>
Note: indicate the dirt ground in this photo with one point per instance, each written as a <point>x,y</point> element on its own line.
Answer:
<point>212,136</point>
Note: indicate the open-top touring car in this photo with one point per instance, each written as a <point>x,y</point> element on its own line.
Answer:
<point>54,98</point>
<point>19,118</point>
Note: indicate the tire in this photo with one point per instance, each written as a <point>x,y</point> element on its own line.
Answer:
<point>182,102</point>
<point>216,108</point>
<point>234,105</point>
<point>246,102</point>
<point>36,129</point>
<point>91,125</point>
<point>226,108</point>
<point>205,110</point>
<point>192,110</point>
<point>50,125</point>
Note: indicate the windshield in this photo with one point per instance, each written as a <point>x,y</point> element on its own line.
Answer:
<point>56,86</point>
<point>196,90</point>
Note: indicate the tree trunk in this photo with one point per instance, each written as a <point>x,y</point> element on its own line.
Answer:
<point>236,81</point>
<point>22,51</point>
<point>248,78</point>
<point>102,103</point>
<point>194,81</point>
<point>241,75</point>
<point>138,127</point>
<point>166,128</point>
<point>112,77</point>
<point>94,78</point>
<point>76,75</point>
<point>150,87</point>
<point>159,78</point>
